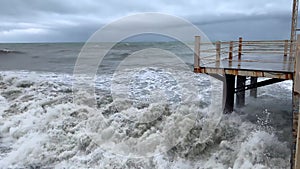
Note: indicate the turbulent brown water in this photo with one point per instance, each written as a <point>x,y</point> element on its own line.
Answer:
<point>41,126</point>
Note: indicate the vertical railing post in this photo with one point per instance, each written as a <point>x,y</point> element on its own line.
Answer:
<point>218,51</point>
<point>230,51</point>
<point>285,47</point>
<point>240,48</point>
<point>197,52</point>
<point>230,54</point>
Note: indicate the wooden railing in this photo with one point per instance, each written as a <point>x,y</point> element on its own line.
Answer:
<point>234,50</point>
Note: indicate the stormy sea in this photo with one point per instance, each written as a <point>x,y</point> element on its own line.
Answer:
<point>146,117</point>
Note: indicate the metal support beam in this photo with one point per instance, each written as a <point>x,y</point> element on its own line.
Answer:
<point>218,77</point>
<point>258,84</point>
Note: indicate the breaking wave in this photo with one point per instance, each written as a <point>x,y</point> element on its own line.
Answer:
<point>41,127</point>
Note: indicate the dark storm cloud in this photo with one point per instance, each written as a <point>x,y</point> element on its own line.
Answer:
<point>69,20</point>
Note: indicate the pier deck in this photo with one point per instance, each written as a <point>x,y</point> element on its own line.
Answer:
<point>274,66</point>
<point>234,61</point>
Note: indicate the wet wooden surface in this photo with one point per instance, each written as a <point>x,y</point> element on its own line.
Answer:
<point>253,62</point>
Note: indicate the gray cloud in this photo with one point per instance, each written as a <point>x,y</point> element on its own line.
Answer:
<point>69,20</point>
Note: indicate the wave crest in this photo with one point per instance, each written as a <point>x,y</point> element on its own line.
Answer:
<point>7,51</point>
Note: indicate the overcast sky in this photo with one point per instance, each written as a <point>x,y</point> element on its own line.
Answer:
<point>72,20</point>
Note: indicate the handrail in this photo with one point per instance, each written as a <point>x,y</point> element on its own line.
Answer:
<point>230,49</point>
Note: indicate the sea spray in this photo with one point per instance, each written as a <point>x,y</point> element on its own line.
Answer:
<point>42,127</point>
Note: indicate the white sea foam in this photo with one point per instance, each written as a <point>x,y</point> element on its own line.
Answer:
<point>41,127</point>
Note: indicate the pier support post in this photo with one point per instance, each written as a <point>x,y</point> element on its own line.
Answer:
<point>253,92</point>
<point>240,96</point>
<point>296,132</point>
<point>296,107</point>
<point>229,93</point>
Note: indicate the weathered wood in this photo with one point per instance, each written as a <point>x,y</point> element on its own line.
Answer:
<point>240,96</point>
<point>230,54</point>
<point>263,52</point>
<point>293,27</point>
<point>297,67</point>
<point>229,93</point>
<point>240,48</point>
<point>253,91</point>
<point>197,52</point>
<point>264,48</point>
<point>230,51</point>
<point>262,41</point>
<point>254,73</point>
<point>296,107</point>
<point>296,131</point>
<point>218,51</point>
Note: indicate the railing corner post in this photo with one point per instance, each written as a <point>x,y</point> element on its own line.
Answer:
<point>197,52</point>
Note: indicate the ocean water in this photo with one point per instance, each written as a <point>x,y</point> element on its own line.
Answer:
<point>137,117</point>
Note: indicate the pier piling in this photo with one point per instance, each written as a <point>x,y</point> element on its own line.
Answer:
<point>229,93</point>
<point>240,96</point>
<point>253,92</point>
<point>296,108</point>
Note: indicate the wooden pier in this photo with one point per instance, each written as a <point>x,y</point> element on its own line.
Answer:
<point>234,61</point>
